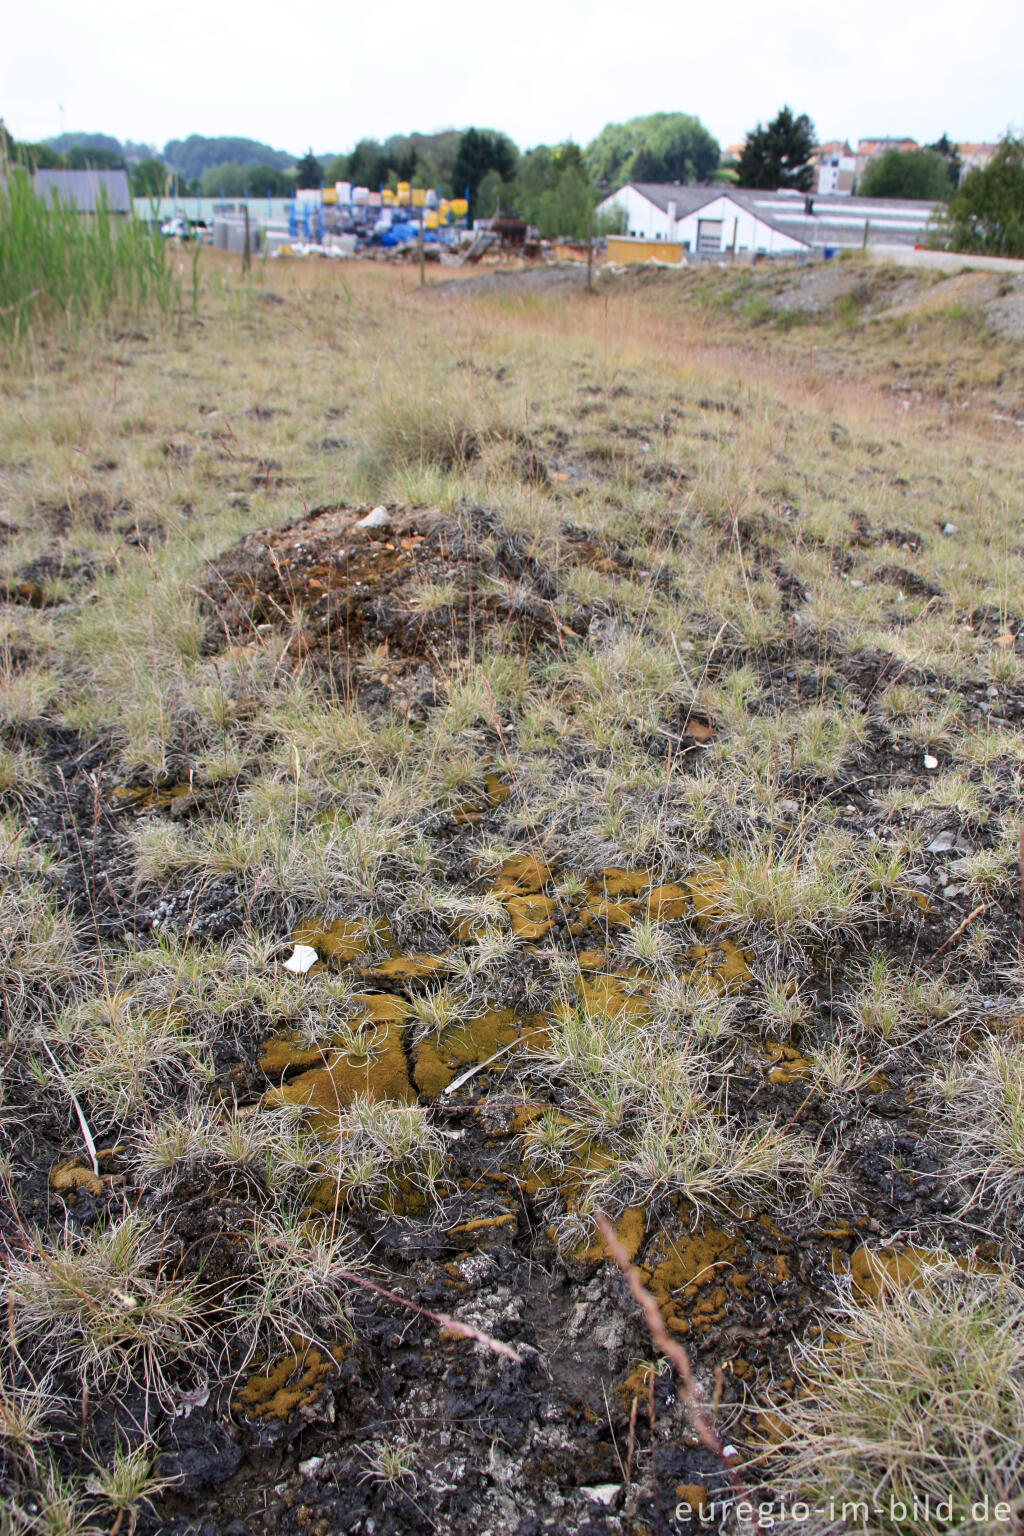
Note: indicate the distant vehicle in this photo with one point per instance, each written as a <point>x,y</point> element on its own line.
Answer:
<point>176,228</point>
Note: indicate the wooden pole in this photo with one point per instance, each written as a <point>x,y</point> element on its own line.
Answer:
<point>590,249</point>
<point>245,247</point>
<point>423,262</point>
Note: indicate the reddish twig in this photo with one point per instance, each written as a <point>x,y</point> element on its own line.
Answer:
<point>979,909</point>
<point>700,1419</point>
<point>450,1324</point>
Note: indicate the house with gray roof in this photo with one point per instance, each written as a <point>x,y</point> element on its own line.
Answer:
<point>85,190</point>
<point>716,220</point>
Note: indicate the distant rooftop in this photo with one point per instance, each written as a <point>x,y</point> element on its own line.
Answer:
<point>85,190</point>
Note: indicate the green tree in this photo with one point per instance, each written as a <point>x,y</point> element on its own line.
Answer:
<point>663,146</point>
<point>778,155</point>
<point>552,190</point>
<point>308,171</point>
<point>80,157</point>
<point>950,153</point>
<point>367,164</point>
<point>481,151</point>
<point>986,212</point>
<point>913,173</point>
<point>149,178</point>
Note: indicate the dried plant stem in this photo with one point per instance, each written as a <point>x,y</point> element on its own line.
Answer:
<point>700,1418</point>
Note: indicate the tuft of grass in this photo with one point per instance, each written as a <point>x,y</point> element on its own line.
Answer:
<point>923,1401</point>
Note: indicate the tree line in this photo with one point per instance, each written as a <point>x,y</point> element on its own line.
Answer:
<point>556,187</point>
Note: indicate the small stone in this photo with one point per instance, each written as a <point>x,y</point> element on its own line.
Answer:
<point>945,840</point>
<point>302,959</point>
<point>311,1468</point>
<point>949,529</point>
<point>380,517</point>
<point>930,761</point>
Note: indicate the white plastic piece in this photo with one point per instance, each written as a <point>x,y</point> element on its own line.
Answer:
<point>303,958</point>
<point>929,761</point>
<point>380,517</point>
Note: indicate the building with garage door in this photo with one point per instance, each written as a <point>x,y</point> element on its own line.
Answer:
<point>715,221</point>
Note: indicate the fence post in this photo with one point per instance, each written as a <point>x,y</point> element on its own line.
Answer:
<point>245,248</point>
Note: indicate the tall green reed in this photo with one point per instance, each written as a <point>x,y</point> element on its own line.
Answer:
<point>59,267</point>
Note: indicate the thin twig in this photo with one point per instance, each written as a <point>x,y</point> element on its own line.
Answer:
<point>697,1413</point>
<point>451,1324</point>
<point>979,909</point>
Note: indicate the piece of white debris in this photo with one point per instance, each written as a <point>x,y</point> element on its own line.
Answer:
<point>943,843</point>
<point>302,959</point>
<point>311,1467</point>
<point>380,517</point>
<point>949,529</point>
<point>604,1493</point>
<point>929,761</point>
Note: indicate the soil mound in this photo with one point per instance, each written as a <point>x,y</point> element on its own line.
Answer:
<point>414,585</point>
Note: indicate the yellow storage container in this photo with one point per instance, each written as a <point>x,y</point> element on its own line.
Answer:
<point>460,207</point>
<point>430,220</point>
<point>389,198</point>
<point>403,191</point>
<point>330,194</point>
<point>419,197</point>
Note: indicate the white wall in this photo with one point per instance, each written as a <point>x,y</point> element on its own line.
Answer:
<point>643,217</point>
<point>749,232</point>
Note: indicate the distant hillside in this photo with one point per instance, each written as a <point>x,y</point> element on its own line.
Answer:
<point>128,149</point>
<point>192,156</point>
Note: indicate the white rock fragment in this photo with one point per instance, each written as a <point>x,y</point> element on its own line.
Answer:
<point>311,1468</point>
<point>949,529</point>
<point>929,761</point>
<point>944,842</point>
<point>303,958</point>
<point>380,517</point>
<point>604,1493</point>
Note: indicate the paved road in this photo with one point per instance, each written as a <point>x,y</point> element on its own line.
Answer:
<point>944,261</point>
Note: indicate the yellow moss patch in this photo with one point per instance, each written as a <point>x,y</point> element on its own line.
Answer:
<point>706,892</point>
<point>408,967</point>
<point>65,1177</point>
<point>602,912</point>
<point>693,1495</point>
<point>605,994</point>
<point>532,916</point>
<point>723,965</point>
<point>522,875</point>
<point>876,1274</point>
<point>630,1229</point>
<point>343,940</point>
<point>791,1068</point>
<point>495,790</point>
<point>665,903</point>
<point>686,1281</point>
<point>291,1383</point>
<point>437,1062</point>
<point>287,1053</point>
<point>620,882</point>
<point>348,1070</point>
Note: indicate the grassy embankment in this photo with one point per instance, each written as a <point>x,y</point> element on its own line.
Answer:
<point>761,960</point>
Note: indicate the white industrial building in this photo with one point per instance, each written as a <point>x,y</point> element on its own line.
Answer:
<point>716,220</point>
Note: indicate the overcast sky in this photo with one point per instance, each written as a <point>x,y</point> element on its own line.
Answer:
<point>326,72</point>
